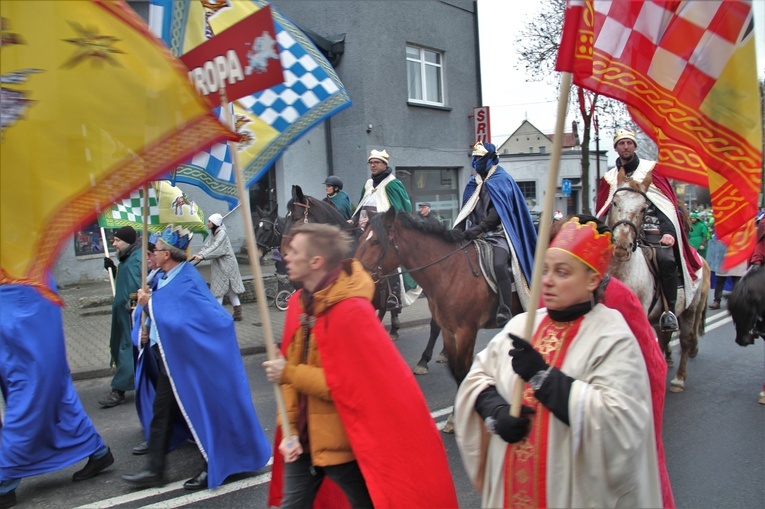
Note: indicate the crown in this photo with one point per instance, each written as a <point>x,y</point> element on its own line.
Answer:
<point>623,134</point>
<point>479,150</point>
<point>585,243</point>
<point>382,155</point>
<point>177,237</point>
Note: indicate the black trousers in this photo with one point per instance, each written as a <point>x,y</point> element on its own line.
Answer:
<point>302,481</point>
<point>665,257</point>
<point>166,410</point>
<point>720,285</point>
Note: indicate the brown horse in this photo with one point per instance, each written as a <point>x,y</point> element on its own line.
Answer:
<point>631,264</point>
<point>446,267</point>
<point>303,208</point>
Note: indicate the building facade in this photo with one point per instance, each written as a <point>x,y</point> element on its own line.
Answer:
<point>526,156</point>
<point>412,71</point>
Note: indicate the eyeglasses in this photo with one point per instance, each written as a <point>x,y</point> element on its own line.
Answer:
<point>158,250</point>
<point>375,162</point>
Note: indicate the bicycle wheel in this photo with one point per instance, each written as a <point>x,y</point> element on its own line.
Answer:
<point>270,296</point>
<point>282,298</point>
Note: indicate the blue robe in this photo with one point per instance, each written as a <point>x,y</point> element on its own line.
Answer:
<point>146,371</point>
<point>510,203</point>
<point>201,354</point>
<point>45,427</point>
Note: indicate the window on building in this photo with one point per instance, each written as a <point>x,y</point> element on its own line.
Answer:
<point>542,149</point>
<point>88,241</point>
<point>437,186</point>
<point>425,75</point>
<point>529,190</point>
<point>531,150</point>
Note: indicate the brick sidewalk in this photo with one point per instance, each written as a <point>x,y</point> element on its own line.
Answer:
<point>87,322</point>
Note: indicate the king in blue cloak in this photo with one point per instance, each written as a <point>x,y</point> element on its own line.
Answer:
<point>197,340</point>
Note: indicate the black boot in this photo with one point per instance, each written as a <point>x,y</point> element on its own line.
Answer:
<point>505,296</point>
<point>668,320</point>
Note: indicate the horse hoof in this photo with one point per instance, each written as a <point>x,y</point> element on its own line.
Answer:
<point>393,335</point>
<point>762,398</point>
<point>419,369</point>
<point>441,358</point>
<point>448,428</point>
<point>694,353</point>
<point>676,386</point>
<point>670,362</point>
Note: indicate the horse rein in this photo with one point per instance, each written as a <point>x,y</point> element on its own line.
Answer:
<point>627,222</point>
<point>378,262</point>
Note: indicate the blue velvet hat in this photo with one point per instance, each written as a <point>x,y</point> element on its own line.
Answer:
<point>176,237</point>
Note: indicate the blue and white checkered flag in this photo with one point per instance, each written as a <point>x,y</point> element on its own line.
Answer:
<point>267,121</point>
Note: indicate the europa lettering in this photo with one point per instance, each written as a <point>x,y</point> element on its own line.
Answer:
<point>211,76</point>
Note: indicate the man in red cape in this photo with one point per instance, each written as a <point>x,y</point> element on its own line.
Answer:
<point>352,402</point>
<point>673,234</point>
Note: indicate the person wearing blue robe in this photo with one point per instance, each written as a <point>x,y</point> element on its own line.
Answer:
<point>494,208</point>
<point>147,371</point>
<point>201,375</point>
<point>44,428</point>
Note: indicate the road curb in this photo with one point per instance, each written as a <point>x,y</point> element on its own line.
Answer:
<point>247,350</point>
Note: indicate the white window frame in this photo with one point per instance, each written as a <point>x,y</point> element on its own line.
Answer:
<point>423,67</point>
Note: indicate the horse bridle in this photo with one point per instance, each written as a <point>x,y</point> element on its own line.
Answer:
<point>377,269</point>
<point>626,221</point>
<point>274,231</point>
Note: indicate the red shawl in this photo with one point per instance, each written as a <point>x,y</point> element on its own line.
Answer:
<point>385,415</point>
<point>619,297</point>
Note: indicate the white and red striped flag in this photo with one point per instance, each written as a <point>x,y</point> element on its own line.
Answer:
<point>687,71</point>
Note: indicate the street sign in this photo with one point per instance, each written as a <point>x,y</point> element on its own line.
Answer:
<point>244,59</point>
<point>481,124</point>
<point>565,185</point>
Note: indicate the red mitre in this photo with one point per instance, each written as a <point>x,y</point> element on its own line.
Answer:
<point>585,243</point>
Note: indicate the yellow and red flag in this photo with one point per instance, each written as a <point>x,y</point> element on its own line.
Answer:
<point>688,73</point>
<point>93,106</point>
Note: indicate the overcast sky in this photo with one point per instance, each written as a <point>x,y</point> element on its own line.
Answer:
<point>511,99</point>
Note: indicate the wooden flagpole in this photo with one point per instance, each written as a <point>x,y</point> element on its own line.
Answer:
<point>253,254</point>
<point>543,240</point>
<point>106,254</point>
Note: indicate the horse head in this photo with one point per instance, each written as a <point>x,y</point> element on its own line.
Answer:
<point>626,213</point>
<point>392,235</point>
<point>373,251</point>
<point>268,229</point>
<point>307,209</point>
<point>746,303</point>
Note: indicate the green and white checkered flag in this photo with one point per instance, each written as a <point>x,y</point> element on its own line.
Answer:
<point>167,205</point>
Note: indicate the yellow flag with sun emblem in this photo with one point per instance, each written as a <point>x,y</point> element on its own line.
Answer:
<point>93,106</point>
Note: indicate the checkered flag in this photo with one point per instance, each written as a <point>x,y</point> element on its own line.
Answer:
<point>268,121</point>
<point>167,205</point>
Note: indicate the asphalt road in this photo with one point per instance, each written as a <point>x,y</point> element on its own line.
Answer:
<point>713,435</point>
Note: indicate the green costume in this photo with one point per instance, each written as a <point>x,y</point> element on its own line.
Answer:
<point>395,196</point>
<point>699,235</point>
<point>120,344</point>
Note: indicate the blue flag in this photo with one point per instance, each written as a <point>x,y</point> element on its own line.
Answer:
<point>268,121</point>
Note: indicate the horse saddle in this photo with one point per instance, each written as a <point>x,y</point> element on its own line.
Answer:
<point>485,251</point>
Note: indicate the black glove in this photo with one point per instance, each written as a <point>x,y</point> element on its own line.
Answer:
<point>510,429</point>
<point>109,264</point>
<point>527,362</point>
<point>473,232</point>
